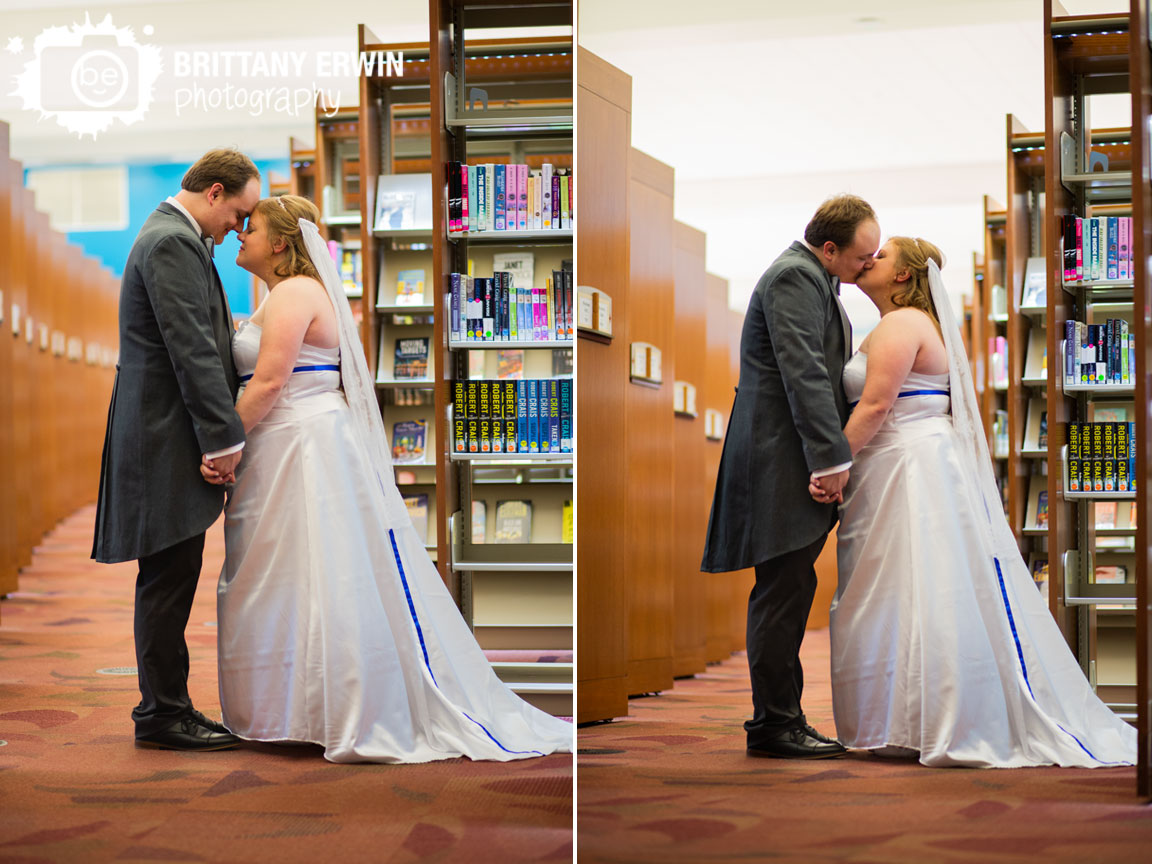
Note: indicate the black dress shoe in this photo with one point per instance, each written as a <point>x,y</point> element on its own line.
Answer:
<point>187,734</point>
<point>214,725</point>
<point>797,743</point>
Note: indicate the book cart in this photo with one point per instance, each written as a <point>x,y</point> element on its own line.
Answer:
<point>1101,173</point>
<point>506,101</point>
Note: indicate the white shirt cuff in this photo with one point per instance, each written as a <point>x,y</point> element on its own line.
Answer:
<point>216,454</point>
<point>835,469</point>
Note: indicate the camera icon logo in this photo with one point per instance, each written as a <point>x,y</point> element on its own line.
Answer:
<point>98,75</point>
<point>90,75</point>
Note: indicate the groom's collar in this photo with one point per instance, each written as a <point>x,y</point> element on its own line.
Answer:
<point>833,281</point>
<point>172,202</point>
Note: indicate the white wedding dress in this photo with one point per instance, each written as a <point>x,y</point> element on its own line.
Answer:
<point>941,642</point>
<point>334,625</point>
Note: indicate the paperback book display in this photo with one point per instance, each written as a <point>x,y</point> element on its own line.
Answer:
<point>998,361</point>
<point>1102,457</point>
<point>1099,353</point>
<point>408,438</point>
<point>492,308</point>
<point>1097,248</point>
<point>411,360</point>
<point>493,197</point>
<point>410,288</point>
<point>525,416</point>
<point>348,261</point>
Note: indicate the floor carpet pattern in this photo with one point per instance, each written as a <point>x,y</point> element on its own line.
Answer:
<point>672,783</point>
<point>73,788</point>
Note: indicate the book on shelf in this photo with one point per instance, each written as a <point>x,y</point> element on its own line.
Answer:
<point>520,267</point>
<point>513,522</point>
<point>1110,575</point>
<point>999,304</point>
<point>479,521</point>
<point>493,308</point>
<point>403,202</point>
<point>1097,248</point>
<point>494,197</point>
<point>1034,291</point>
<point>566,523</point>
<point>347,260</point>
<point>510,364</point>
<point>561,362</point>
<point>998,360</point>
<point>1105,514</point>
<point>410,288</point>
<point>1101,456</point>
<point>408,438</point>
<point>418,512</point>
<point>512,416</point>
<point>1042,509</point>
<point>412,396</point>
<point>1000,435</point>
<point>411,358</point>
<point>1099,354</point>
<point>1038,567</point>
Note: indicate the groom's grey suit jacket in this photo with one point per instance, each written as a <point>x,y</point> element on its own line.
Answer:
<point>173,398</point>
<point>787,418</point>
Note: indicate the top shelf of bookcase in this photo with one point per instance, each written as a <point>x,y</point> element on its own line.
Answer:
<point>478,14</point>
<point>1094,46</point>
<point>547,121</point>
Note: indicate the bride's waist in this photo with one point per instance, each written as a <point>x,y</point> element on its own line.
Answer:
<point>299,403</point>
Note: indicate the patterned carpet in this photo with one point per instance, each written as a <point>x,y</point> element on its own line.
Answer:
<point>73,788</point>
<point>671,783</point>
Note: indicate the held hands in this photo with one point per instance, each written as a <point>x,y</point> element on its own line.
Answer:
<point>220,470</point>
<point>828,489</point>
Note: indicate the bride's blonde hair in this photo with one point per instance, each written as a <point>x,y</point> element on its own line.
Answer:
<point>913,254</point>
<point>282,215</point>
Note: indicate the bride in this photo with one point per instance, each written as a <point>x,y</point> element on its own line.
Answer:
<point>941,645</point>
<point>334,625</point>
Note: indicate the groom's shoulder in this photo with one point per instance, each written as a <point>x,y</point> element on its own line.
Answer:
<point>160,226</point>
<point>795,262</point>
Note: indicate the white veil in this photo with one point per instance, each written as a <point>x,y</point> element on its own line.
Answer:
<point>966,418</point>
<point>359,388</point>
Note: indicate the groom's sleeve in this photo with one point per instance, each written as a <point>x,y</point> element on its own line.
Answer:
<point>178,291</point>
<point>795,315</point>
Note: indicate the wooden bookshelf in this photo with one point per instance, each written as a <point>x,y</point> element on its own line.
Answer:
<point>59,343</point>
<point>1087,56</point>
<point>604,135</point>
<point>498,101</point>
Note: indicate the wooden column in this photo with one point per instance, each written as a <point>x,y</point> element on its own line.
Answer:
<point>9,512</point>
<point>693,494</point>
<point>604,133</point>
<point>648,432</point>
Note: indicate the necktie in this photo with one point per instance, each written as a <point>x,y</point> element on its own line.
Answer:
<point>210,245</point>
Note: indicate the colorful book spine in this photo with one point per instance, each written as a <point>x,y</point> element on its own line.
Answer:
<point>511,439</point>
<point>459,424</point>
<point>546,210</point>
<point>522,416</point>
<point>522,193</point>
<point>500,207</point>
<point>553,416</point>
<point>565,415</point>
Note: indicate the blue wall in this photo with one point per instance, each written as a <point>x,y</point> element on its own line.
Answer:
<point>148,185</point>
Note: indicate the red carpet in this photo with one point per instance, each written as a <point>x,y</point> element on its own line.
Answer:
<point>671,783</point>
<point>73,788</point>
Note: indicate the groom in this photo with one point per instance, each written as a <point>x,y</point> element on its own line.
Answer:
<point>785,426</point>
<point>172,405</point>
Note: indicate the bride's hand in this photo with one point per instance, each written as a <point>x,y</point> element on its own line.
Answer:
<point>821,495</point>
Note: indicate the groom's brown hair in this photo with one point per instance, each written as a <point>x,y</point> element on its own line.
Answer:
<point>226,166</point>
<point>837,220</point>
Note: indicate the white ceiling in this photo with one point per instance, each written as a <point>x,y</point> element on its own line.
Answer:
<point>766,108</point>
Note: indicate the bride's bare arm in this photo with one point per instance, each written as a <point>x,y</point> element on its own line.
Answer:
<point>892,350</point>
<point>288,312</point>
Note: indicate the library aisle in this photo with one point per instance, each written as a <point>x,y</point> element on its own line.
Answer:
<point>671,783</point>
<point>75,789</point>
